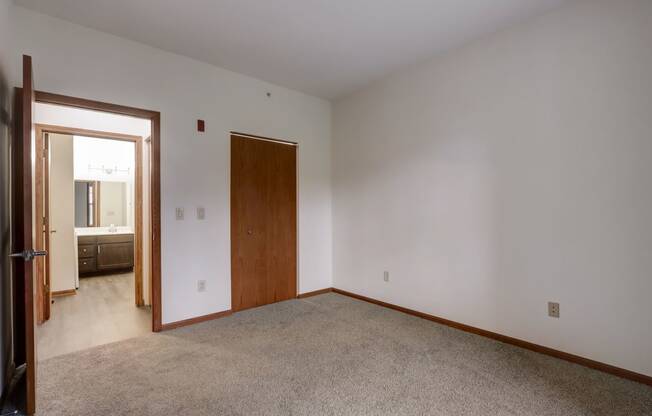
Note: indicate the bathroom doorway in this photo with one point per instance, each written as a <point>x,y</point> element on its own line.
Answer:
<point>92,205</point>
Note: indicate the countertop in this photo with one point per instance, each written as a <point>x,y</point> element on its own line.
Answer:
<point>103,231</point>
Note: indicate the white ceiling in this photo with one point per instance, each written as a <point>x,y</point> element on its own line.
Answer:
<point>327,48</point>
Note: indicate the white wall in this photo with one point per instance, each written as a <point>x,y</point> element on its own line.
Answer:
<point>62,253</point>
<point>104,160</point>
<point>7,49</point>
<point>77,61</point>
<point>506,174</point>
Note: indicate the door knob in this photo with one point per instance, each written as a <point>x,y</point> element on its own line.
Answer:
<point>53,231</point>
<point>250,232</point>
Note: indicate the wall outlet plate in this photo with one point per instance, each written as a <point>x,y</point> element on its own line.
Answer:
<point>553,309</point>
<point>201,285</point>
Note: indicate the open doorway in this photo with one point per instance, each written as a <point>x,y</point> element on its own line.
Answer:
<point>93,215</point>
<point>25,237</point>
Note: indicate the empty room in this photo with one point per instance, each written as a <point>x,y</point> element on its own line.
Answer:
<point>290,207</point>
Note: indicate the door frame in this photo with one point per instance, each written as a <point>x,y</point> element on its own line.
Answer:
<point>42,226</point>
<point>41,131</point>
<point>155,180</point>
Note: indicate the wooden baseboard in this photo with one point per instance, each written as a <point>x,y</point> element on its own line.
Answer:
<point>67,292</point>
<point>314,293</point>
<point>596,365</point>
<point>196,320</point>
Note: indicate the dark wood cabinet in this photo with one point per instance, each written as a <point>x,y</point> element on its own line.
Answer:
<point>105,253</point>
<point>87,265</point>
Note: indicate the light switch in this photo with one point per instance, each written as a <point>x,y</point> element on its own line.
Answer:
<point>201,214</point>
<point>179,213</point>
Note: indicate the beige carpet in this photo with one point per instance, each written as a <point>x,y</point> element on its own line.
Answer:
<point>326,355</point>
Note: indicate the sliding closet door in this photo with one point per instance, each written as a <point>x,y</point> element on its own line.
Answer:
<point>263,222</point>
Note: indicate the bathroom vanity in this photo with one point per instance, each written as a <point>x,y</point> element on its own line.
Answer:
<point>103,252</point>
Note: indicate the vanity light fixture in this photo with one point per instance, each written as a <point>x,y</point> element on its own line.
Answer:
<point>109,170</point>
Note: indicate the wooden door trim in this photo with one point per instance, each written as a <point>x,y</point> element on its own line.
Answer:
<point>196,320</point>
<point>314,293</point>
<point>138,214</point>
<point>40,216</point>
<point>138,191</point>
<point>46,230</point>
<point>155,180</point>
<point>98,134</point>
<point>269,139</point>
<point>83,103</point>
<point>67,292</point>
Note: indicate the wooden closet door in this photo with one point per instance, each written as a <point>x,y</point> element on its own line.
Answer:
<point>263,222</point>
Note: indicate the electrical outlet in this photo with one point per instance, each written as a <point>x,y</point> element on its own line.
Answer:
<point>201,213</point>
<point>553,309</point>
<point>201,285</point>
<point>386,276</point>
<point>179,213</point>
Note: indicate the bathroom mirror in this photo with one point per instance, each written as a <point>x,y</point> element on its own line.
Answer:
<point>100,204</point>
